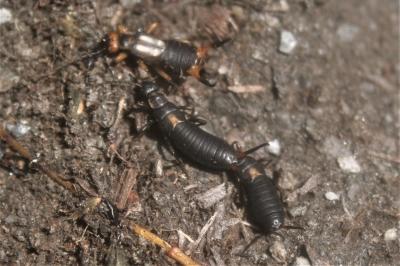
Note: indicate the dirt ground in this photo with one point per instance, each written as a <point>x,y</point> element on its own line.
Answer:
<point>332,104</point>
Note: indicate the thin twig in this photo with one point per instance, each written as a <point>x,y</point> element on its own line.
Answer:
<point>172,252</point>
<point>24,152</point>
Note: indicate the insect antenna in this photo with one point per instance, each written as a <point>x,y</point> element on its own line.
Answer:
<point>249,151</point>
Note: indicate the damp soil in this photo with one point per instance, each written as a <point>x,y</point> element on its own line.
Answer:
<point>332,104</point>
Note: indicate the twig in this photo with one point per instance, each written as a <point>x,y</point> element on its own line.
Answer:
<point>203,232</point>
<point>24,152</point>
<point>172,252</point>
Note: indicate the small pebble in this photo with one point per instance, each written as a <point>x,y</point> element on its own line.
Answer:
<point>19,129</point>
<point>8,79</point>
<point>347,32</point>
<point>331,196</point>
<point>274,147</point>
<point>129,3</point>
<point>271,21</point>
<point>159,168</point>
<point>5,15</point>
<point>212,196</point>
<point>11,219</point>
<point>278,251</point>
<point>335,147</point>
<point>349,164</point>
<point>298,211</point>
<point>302,261</point>
<point>288,42</point>
<point>391,234</point>
<point>277,6</point>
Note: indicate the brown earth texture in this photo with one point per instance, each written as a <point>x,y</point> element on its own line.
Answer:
<point>317,79</point>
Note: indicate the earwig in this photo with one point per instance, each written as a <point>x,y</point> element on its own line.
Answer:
<point>171,59</point>
<point>176,59</point>
<point>264,205</point>
<point>190,140</point>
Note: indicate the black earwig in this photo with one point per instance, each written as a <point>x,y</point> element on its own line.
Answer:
<point>263,203</point>
<point>171,59</point>
<point>177,59</point>
<point>190,140</point>
<point>264,206</point>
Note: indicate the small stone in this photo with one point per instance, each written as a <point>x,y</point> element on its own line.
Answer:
<point>10,219</point>
<point>271,21</point>
<point>212,196</point>
<point>298,211</point>
<point>301,261</point>
<point>274,147</point>
<point>278,251</point>
<point>331,196</point>
<point>19,129</point>
<point>277,6</point>
<point>159,168</point>
<point>5,15</point>
<point>8,79</point>
<point>129,3</point>
<point>288,42</point>
<point>347,32</point>
<point>349,164</point>
<point>391,234</point>
<point>335,147</point>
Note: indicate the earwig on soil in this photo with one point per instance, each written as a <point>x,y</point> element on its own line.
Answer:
<point>172,59</point>
<point>264,206</point>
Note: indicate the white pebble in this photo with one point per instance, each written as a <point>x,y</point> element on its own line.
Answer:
<point>298,211</point>
<point>274,147</point>
<point>391,234</point>
<point>5,15</point>
<point>347,32</point>
<point>288,42</point>
<point>331,196</point>
<point>19,129</point>
<point>349,164</point>
<point>278,251</point>
<point>302,261</point>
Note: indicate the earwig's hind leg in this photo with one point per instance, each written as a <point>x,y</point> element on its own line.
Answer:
<point>219,43</point>
<point>176,161</point>
<point>195,119</point>
<point>141,131</point>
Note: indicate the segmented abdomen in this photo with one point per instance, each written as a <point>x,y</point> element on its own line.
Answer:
<point>179,56</point>
<point>263,203</point>
<point>202,147</point>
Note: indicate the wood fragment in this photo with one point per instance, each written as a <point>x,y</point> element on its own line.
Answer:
<point>173,252</point>
<point>124,188</point>
<point>246,88</point>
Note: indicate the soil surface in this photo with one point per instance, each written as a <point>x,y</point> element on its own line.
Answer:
<point>331,105</point>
